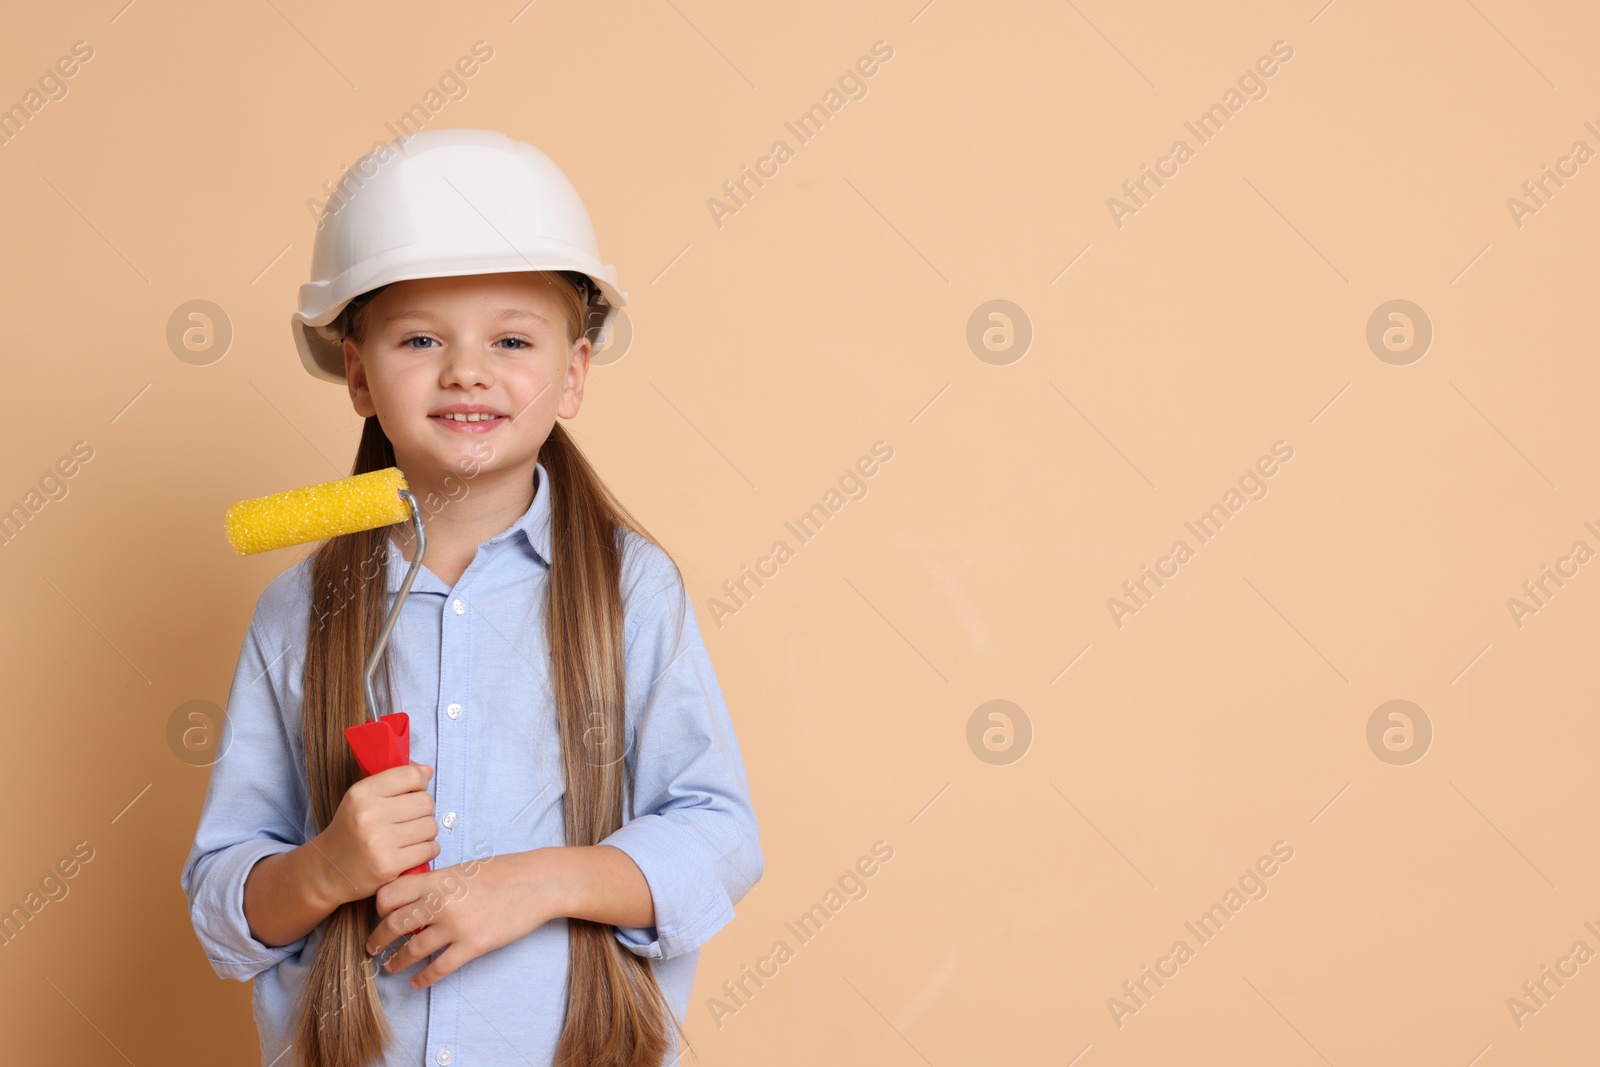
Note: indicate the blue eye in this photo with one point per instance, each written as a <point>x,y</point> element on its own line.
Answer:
<point>518,342</point>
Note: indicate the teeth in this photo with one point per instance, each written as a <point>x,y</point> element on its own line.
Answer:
<point>457,416</point>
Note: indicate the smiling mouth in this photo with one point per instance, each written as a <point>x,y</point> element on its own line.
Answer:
<point>469,423</point>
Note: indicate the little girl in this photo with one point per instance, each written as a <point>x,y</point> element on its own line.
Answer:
<point>577,788</point>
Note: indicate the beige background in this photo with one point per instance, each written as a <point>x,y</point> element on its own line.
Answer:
<point>831,312</point>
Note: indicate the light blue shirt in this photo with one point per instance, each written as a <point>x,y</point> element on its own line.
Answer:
<point>471,667</point>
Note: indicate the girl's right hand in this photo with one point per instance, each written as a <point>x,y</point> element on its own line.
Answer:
<point>384,827</point>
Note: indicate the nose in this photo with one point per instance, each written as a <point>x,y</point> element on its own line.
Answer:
<point>464,364</point>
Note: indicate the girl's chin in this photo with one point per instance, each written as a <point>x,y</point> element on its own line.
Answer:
<point>436,461</point>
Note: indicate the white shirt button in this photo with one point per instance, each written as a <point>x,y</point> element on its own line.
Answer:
<point>449,819</point>
<point>444,1056</point>
<point>454,711</point>
<point>459,608</point>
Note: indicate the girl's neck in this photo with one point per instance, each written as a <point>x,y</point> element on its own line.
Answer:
<point>460,513</point>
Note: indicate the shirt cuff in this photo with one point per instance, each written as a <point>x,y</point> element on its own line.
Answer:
<point>690,901</point>
<point>217,911</point>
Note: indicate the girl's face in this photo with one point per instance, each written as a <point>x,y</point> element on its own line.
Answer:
<point>492,343</point>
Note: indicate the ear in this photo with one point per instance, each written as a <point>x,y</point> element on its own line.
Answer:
<point>577,374</point>
<point>355,377</point>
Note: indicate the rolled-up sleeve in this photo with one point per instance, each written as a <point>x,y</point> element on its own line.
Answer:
<point>693,832</point>
<point>253,809</point>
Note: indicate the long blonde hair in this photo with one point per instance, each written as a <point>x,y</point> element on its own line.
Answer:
<point>616,1014</point>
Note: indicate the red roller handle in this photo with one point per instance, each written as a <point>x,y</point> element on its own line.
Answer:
<point>379,746</point>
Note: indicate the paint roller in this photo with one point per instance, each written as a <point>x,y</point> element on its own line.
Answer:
<point>315,513</point>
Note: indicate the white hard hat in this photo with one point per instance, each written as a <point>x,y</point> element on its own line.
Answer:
<point>438,204</point>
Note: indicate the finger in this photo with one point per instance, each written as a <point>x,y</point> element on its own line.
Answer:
<point>448,962</point>
<point>382,936</point>
<point>402,779</point>
<point>390,929</point>
<point>382,940</point>
<point>401,920</point>
<point>417,830</point>
<point>408,806</point>
<point>397,893</point>
<point>429,941</point>
<point>421,852</point>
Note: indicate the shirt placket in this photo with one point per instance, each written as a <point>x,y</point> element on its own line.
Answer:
<point>455,657</point>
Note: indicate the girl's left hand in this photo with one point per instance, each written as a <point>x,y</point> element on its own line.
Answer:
<point>465,909</point>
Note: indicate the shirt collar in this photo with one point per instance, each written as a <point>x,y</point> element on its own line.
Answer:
<point>530,533</point>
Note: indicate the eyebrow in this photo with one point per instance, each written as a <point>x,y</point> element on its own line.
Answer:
<point>501,315</point>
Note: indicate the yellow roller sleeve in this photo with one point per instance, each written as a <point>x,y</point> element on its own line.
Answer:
<point>318,512</point>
